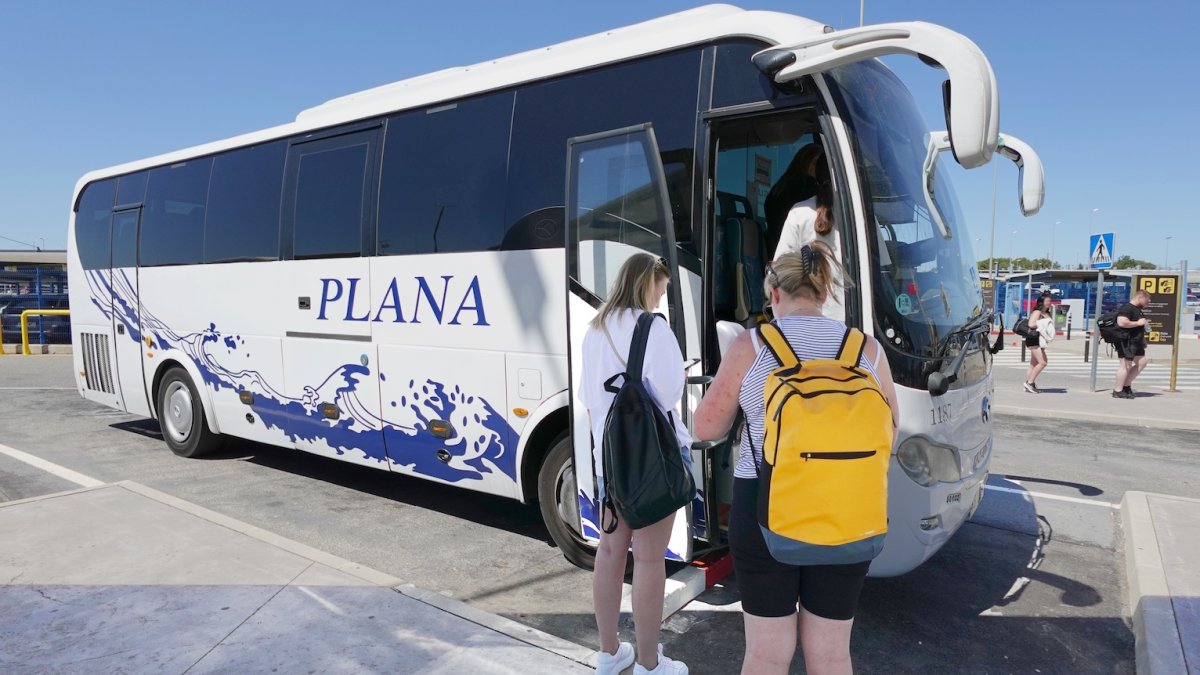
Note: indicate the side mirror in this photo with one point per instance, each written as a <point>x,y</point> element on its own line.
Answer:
<point>1031,178</point>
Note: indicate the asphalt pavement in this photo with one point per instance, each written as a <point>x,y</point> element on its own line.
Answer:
<point>122,578</point>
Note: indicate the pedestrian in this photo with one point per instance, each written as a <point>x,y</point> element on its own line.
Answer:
<point>1039,322</point>
<point>780,600</point>
<point>639,287</point>
<point>812,219</point>
<point>1131,347</point>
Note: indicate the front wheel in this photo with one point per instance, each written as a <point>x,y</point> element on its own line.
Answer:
<point>181,416</point>
<point>559,500</point>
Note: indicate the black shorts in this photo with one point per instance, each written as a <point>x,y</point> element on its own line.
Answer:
<point>1033,340</point>
<point>770,588</point>
<point>1132,348</point>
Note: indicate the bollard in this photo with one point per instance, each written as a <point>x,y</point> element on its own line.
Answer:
<point>1086,345</point>
<point>1068,326</point>
<point>1022,350</point>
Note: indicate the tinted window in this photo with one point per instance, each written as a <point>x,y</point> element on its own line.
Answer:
<point>736,79</point>
<point>661,90</point>
<point>173,216</point>
<point>131,189</point>
<point>243,204</point>
<point>124,238</point>
<point>444,172</point>
<point>329,198</point>
<point>92,224</point>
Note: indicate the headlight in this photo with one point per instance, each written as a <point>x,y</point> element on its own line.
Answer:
<point>927,462</point>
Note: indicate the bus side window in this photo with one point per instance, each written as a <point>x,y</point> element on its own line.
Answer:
<point>444,174</point>
<point>243,204</point>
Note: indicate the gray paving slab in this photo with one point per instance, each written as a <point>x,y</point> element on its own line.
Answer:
<point>122,578</point>
<point>1177,526</point>
<point>368,629</point>
<point>1160,550</point>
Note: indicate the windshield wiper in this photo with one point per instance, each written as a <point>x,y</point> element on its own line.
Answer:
<point>971,327</point>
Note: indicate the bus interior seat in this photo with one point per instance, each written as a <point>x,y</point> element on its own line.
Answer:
<point>738,260</point>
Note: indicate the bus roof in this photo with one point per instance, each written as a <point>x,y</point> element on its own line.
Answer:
<point>695,26</point>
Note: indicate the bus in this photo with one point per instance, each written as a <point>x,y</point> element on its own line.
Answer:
<point>401,277</point>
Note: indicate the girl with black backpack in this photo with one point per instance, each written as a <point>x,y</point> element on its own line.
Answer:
<point>638,289</point>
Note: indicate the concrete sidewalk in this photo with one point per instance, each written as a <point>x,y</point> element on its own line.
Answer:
<point>1069,397</point>
<point>122,578</point>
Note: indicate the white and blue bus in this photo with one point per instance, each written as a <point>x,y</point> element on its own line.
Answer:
<point>400,278</point>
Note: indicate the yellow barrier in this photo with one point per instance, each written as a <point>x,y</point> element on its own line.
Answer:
<point>25,324</point>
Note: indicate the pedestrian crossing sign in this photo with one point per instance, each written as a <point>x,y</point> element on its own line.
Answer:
<point>1101,246</point>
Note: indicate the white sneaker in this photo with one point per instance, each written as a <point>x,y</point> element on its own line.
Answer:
<point>614,664</point>
<point>665,666</point>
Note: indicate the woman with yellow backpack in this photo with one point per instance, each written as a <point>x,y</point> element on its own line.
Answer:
<point>810,490</point>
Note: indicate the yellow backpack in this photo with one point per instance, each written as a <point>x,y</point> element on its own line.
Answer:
<point>822,497</point>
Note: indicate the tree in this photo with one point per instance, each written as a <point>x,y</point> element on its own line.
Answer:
<point>1130,263</point>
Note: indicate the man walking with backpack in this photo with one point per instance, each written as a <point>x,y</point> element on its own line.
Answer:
<point>1132,347</point>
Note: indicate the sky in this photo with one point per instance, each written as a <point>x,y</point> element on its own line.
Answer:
<point>1104,91</point>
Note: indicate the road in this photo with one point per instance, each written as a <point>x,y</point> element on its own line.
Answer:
<point>1034,583</point>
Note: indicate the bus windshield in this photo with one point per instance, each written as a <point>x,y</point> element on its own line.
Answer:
<point>925,285</point>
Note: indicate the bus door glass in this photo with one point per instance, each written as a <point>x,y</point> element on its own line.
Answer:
<point>616,207</point>
<point>128,343</point>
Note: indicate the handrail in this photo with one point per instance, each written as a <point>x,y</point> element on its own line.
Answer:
<point>25,324</point>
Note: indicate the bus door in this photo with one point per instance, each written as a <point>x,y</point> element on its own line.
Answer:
<point>330,364</point>
<point>616,207</point>
<point>128,342</point>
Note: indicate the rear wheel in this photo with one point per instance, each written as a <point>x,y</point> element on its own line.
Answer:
<point>181,416</point>
<point>559,499</point>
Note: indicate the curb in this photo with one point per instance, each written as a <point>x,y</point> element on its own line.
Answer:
<point>1147,422</point>
<point>1158,647</point>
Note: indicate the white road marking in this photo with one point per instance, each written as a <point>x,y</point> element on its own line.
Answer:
<point>1043,495</point>
<point>50,467</point>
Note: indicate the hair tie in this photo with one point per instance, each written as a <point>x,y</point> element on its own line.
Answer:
<point>807,258</point>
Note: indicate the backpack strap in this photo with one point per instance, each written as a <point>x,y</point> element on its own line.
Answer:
<point>637,347</point>
<point>852,348</point>
<point>780,348</point>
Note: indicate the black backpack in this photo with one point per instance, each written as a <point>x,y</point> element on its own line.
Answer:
<point>645,479</point>
<point>1109,331</point>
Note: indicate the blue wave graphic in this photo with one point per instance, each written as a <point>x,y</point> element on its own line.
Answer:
<point>482,443</point>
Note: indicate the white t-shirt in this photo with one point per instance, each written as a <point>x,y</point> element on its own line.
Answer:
<point>662,372</point>
<point>799,228</point>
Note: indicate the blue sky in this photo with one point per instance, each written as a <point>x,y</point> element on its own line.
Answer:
<point>1104,91</point>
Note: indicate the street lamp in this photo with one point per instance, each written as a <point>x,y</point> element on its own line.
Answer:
<point>1167,252</point>
<point>1057,222</point>
<point>1092,225</point>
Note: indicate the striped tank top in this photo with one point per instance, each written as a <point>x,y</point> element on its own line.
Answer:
<point>812,337</point>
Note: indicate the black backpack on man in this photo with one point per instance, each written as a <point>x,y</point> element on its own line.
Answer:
<point>645,479</point>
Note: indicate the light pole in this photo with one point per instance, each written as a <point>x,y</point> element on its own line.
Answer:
<point>1092,226</point>
<point>1010,251</point>
<point>1056,223</point>
<point>1167,252</point>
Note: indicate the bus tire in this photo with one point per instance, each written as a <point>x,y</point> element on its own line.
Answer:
<point>560,505</point>
<point>181,416</point>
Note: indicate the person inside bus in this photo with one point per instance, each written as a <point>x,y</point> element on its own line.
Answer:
<point>1039,320</point>
<point>812,219</point>
<point>639,287</point>
<point>826,595</point>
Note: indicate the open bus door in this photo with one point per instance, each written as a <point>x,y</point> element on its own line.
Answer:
<point>617,206</point>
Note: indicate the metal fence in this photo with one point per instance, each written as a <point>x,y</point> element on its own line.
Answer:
<point>34,288</point>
